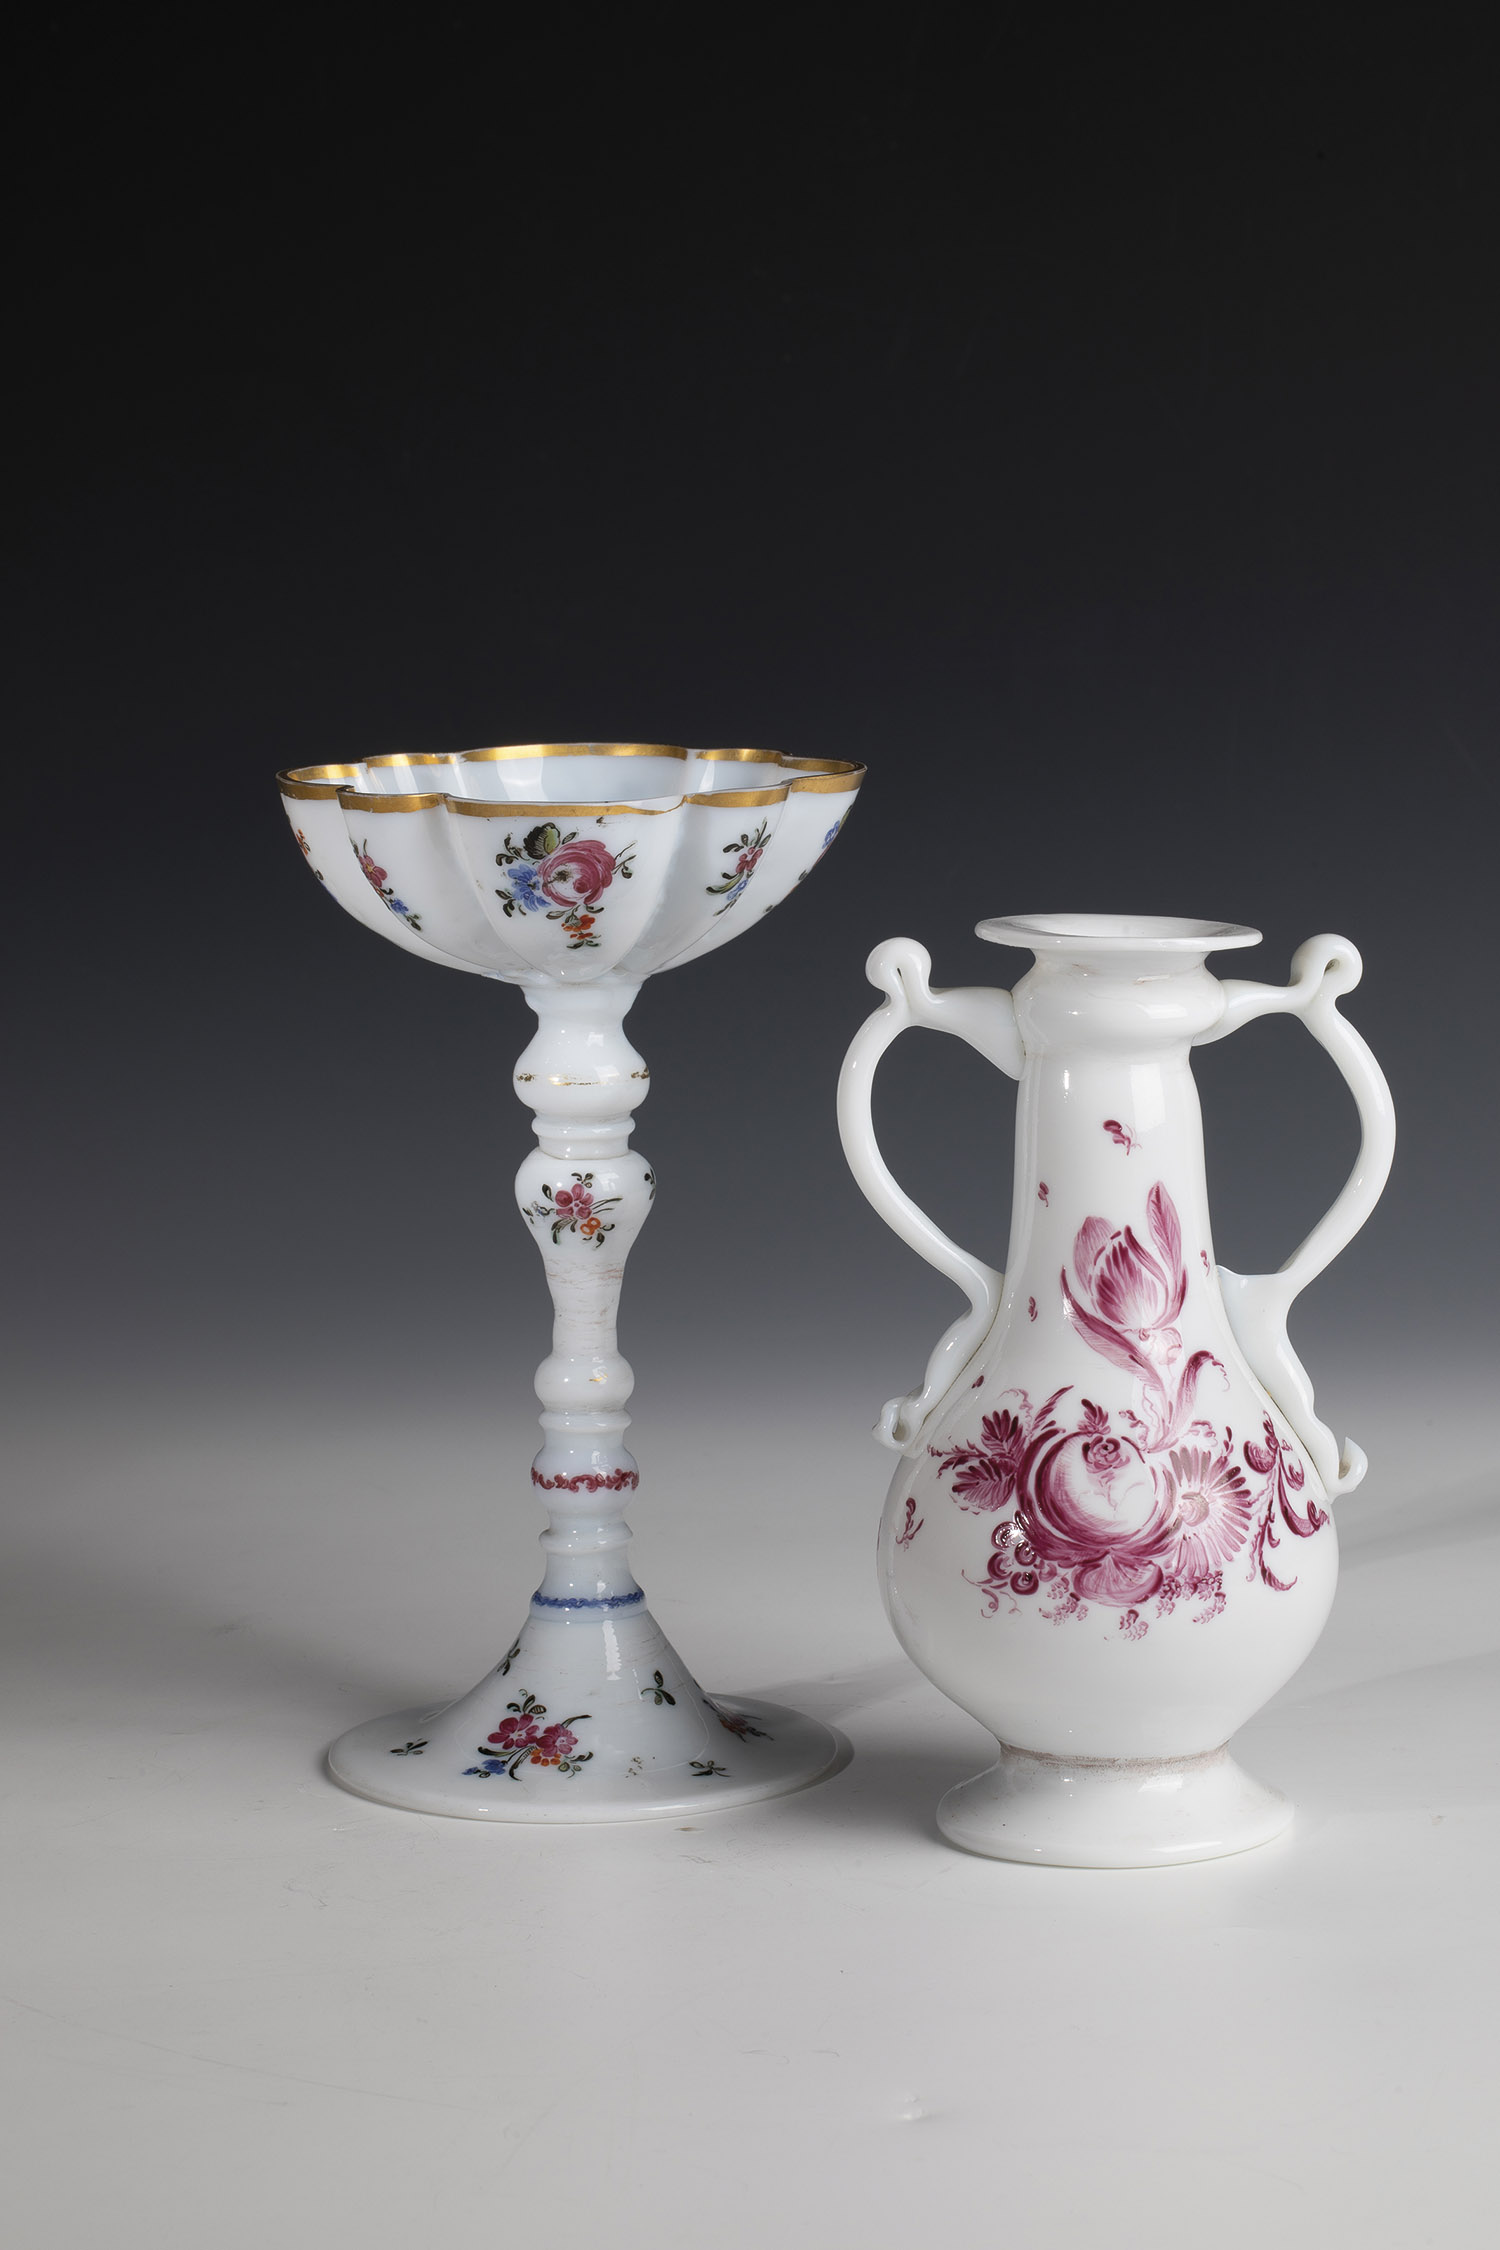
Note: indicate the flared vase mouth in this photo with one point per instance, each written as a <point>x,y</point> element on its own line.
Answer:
<point>1095,935</point>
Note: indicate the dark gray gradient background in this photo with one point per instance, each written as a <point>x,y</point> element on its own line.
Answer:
<point>1097,442</point>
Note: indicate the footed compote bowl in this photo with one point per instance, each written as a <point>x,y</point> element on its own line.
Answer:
<point>575,870</point>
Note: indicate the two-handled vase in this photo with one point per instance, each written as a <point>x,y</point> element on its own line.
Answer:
<point>1110,1536</point>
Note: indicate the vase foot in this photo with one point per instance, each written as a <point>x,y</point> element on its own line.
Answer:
<point>1112,1812</point>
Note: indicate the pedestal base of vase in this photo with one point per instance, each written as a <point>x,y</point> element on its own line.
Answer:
<point>1112,1812</point>
<point>591,1716</point>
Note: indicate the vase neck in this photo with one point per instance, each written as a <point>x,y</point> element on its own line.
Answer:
<point>1101,1122</point>
<point>1115,1003</point>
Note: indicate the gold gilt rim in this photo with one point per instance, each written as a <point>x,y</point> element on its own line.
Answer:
<point>315,781</point>
<point>838,776</point>
<point>504,750</point>
<point>494,808</point>
<point>821,776</point>
<point>735,798</point>
<point>743,757</point>
<point>411,758</point>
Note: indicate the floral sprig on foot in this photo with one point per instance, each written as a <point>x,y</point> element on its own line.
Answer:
<point>575,1208</point>
<point>561,876</point>
<point>704,1769</point>
<point>749,848</point>
<point>522,1740</point>
<point>379,882</point>
<point>735,1722</point>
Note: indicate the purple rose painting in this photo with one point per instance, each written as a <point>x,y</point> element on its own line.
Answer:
<point>1146,1504</point>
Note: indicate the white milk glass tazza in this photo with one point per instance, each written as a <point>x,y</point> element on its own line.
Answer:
<point>576,870</point>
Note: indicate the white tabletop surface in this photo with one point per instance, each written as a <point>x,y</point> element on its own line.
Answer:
<point>243,2009</point>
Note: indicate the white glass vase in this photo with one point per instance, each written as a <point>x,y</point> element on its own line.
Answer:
<point>1109,1536</point>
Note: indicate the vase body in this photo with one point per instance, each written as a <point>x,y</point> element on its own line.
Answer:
<point>1106,1539</point>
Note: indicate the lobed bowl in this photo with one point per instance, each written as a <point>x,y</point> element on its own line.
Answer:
<point>564,862</point>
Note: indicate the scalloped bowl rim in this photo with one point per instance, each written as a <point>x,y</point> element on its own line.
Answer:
<point>341,780</point>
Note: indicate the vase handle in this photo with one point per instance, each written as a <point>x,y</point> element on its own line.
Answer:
<point>986,1018</point>
<point>1258,1304</point>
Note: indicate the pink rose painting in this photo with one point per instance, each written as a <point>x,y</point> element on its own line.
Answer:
<point>1144,1504</point>
<point>746,851</point>
<point>575,1209</point>
<point>562,877</point>
<point>522,1740</point>
<point>1095,1504</point>
<point>379,882</point>
<point>578,872</point>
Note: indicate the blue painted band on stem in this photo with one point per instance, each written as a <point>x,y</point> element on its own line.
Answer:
<point>573,1601</point>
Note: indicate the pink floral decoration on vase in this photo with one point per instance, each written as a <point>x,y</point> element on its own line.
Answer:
<point>1148,1504</point>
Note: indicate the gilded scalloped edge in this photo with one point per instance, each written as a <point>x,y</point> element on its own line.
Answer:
<point>841,776</point>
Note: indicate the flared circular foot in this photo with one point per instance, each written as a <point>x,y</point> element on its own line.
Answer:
<point>421,1762</point>
<point>1112,1812</point>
